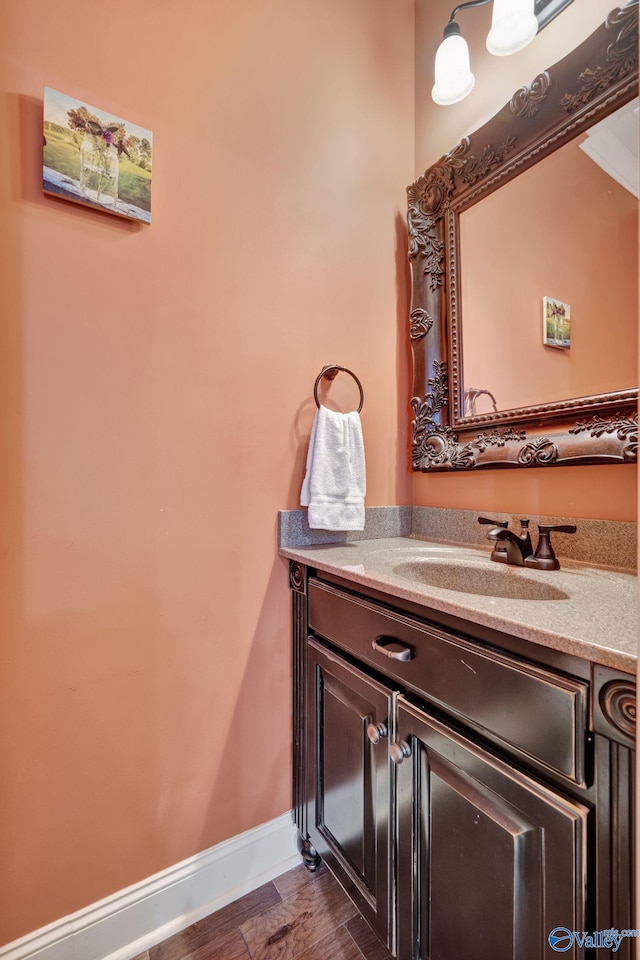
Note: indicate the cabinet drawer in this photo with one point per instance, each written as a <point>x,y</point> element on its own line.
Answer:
<point>528,709</point>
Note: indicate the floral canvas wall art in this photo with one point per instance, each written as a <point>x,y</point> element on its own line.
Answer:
<point>556,323</point>
<point>93,158</point>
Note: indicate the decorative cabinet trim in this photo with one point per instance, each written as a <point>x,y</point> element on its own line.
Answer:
<point>618,705</point>
<point>614,706</point>
<point>297,577</point>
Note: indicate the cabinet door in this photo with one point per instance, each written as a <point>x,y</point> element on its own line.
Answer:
<point>491,860</point>
<point>348,791</point>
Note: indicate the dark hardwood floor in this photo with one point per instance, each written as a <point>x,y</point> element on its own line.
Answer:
<point>298,916</point>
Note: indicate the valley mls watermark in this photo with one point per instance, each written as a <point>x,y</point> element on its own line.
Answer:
<point>562,939</point>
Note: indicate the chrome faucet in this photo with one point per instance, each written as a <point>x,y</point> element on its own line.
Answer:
<point>517,549</point>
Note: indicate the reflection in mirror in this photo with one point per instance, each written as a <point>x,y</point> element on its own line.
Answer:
<point>564,229</point>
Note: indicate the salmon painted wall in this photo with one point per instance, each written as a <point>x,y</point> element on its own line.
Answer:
<point>607,492</point>
<point>155,405</point>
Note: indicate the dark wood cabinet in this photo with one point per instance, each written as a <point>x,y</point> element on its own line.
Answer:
<point>468,798</point>
<point>349,788</point>
<point>490,858</point>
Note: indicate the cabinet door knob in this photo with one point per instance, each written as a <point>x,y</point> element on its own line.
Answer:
<point>377,732</point>
<point>399,750</point>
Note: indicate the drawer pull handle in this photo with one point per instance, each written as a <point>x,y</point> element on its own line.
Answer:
<point>392,648</point>
<point>377,732</point>
<point>399,750</point>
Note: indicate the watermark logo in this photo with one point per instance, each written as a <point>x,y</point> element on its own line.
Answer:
<point>562,939</point>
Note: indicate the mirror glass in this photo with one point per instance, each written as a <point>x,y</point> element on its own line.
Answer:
<point>549,276</point>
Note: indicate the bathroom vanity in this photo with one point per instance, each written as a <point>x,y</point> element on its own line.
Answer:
<point>463,748</point>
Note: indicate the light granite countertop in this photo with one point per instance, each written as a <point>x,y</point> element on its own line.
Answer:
<point>587,611</point>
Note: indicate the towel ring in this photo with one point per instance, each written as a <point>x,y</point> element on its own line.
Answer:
<point>330,372</point>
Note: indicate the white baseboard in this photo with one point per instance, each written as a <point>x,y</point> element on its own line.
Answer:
<point>134,919</point>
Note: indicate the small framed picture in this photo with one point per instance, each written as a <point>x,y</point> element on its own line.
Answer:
<point>93,158</point>
<point>556,323</point>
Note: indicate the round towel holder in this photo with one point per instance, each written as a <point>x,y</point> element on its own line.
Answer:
<point>329,372</point>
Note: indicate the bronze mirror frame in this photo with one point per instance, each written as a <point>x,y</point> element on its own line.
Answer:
<point>592,81</point>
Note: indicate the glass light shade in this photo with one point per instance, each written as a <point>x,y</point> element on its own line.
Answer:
<point>513,26</point>
<point>454,79</point>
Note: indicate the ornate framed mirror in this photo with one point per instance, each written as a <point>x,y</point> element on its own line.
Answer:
<point>523,335</point>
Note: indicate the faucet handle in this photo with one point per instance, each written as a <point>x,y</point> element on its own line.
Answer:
<point>494,523</point>
<point>544,558</point>
<point>499,551</point>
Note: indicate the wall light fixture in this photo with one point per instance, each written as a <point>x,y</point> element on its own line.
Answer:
<point>513,26</point>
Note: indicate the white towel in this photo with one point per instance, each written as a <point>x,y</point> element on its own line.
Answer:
<point>335,482</point>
